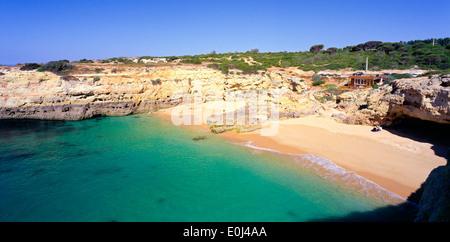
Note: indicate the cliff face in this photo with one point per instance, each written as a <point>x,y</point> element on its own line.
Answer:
<point>79,96</point>
<point>424,98</point>
<point>117,91</point>
<point>434,204</point>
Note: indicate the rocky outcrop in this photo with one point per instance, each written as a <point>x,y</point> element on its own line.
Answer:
<point>83,111</point>
<point>434,203</point>
<point>121,90</point>
<point>44,95</point>
<point>48,96</point>
<point>426,99</point>
<point>423,98</point>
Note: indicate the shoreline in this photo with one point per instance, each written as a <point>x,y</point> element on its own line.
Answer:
<point>396,164</point>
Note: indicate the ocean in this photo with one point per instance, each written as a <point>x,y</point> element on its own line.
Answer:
<point>143,168</point>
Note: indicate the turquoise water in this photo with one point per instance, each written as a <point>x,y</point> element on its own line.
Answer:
<point>142,168</point>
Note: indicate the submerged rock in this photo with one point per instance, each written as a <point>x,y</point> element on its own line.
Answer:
<point>201,137</point>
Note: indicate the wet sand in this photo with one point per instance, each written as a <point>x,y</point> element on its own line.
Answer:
<point>396,163</point>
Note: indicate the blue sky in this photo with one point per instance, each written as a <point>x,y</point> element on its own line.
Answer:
<point>41,31</point>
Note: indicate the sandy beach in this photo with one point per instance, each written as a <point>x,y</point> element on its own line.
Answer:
<point>396,163</point>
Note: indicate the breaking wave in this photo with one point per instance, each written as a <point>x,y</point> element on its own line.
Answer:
<point>330,171</point>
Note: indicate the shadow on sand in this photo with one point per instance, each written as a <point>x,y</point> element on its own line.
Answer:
<point>424,131</point>
<point>418,130</point>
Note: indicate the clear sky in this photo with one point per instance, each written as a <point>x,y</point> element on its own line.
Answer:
<point>40,31</point>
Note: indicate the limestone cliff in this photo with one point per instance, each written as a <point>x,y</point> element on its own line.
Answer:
<point>31,94</point>
<point>424,98</point>
<point>115,90</point>
<point>434,203</point>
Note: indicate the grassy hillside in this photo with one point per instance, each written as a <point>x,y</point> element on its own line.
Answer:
<point>422,54</point>
<point>382,55</point>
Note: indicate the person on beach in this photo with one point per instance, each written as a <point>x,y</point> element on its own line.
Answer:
<point>377,129</point>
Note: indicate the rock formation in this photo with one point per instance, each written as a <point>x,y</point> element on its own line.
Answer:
<point>424,98</point>
<point>108,92</point>
<point>44,95</point>
<point>434,203</point>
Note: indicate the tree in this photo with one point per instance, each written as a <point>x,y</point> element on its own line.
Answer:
<point>433,59</point>
<point>213,52</point>
<point>316,48</point>
<point>371,45</point>
<point>254,51</point>
<point>386,47</point>
<point>333,49</point>
<point>359,47</point>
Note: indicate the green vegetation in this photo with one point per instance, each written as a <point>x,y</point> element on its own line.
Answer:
<point>382,55</point>
<point>316,48</point>
<point>316,77</point>
<point>401,76</point>
<point>330,87</point>
<point>98,70</point>
<point>118,60</point>
<point>96,79</point>
<point>85,61</point>
<point>325,98</point>
<point>439,72</point>
<point>57,67</point>
<point>30,66</point>
<point>318,83</point>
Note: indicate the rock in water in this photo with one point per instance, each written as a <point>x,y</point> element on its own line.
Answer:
<point>201,137</point>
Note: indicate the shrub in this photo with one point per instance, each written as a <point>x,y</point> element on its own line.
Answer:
<point>96,79</point>
<point>317,83</point>
<point>69,78</point>
<point>156,82</point>
<point>98,70</point>
<point>315,77</point>
<point>444,66</point>
<point>30,66</point>
<point>430,73</point>
<point>85,61</point>
<point>57,67</point>
<point>194,60</point>
<point>401,76</point>
<point>330,87</point>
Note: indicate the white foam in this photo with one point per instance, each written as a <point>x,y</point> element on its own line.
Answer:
<point>329,170</point>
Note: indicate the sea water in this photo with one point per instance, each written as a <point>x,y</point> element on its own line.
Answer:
<point>142,168</point>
